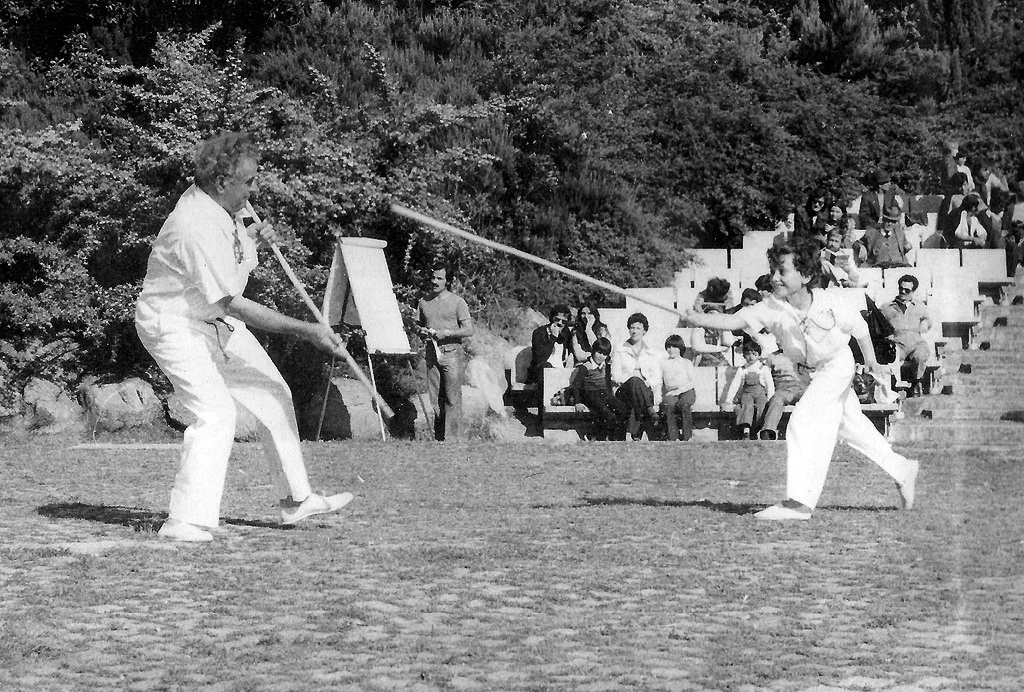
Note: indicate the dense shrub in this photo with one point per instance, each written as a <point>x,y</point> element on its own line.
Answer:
<point>606,136</point>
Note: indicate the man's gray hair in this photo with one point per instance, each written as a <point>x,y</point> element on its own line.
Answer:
<point>219,155</point>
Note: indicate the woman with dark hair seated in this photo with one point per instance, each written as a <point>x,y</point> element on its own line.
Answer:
<point>585,332</point>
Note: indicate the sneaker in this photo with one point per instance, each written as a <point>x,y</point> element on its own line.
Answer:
<point>175,530</point>
<point>909,486</point>
<point>315,504</point>
<point>768,435</point>
<point>782,513</point>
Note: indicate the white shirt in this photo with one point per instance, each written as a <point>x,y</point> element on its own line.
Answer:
<point>813,339</point>
<point>194,264</point>
<point>637,361</point>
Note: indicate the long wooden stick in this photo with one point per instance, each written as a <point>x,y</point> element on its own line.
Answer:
<point>341,350</point>
<point>604,285</point>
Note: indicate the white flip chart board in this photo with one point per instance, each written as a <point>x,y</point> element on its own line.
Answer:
<point>360,293</point>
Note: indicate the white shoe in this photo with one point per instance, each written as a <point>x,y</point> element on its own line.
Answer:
<point>181,531</point>
<point>315,504</point>
<point>909,486</point>
<point>782,513</point>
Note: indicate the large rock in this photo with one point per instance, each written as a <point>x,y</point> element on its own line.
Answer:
<point>489,379</point>
<point>128,404</point>
<point>49,409</point>
<point>246,426</point>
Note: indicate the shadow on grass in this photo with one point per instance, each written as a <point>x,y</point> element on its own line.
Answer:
<point>134,517</point>
<point>737,508</point>
<point>726,507</point>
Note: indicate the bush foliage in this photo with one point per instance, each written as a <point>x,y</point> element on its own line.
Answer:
<point>608,136</point>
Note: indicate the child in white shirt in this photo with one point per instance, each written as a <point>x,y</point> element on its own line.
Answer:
<point>678,382</point>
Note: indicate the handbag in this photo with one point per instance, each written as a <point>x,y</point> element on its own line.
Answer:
<point>880,329</point>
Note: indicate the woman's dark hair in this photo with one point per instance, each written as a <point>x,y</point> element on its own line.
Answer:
<point>674,340</point>
<point>806,254</point>
<point>717,290</point>
<point>602,345</point>
<point>751,294</point>
<point>816,194</point>
<point>579,329</point>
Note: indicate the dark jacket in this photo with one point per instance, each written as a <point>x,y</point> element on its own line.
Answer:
<point>541,346</point>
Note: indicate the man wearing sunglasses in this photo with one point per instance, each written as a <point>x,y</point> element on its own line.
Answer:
<point>551,344</point>
<point>910,320</point>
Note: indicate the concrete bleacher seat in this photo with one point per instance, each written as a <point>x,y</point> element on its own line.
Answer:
<point>984,264</point>
<point>615,319</point>
<point>944,263</point>
<point>517,373</point>
<point>747,265</point>
<point>712,259</point>
<point>871,280</point>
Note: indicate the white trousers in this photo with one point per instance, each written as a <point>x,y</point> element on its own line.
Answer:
<point>829,411</point>
<point>212,373</point>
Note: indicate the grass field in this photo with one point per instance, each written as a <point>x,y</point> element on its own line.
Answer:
<point>511,567</point>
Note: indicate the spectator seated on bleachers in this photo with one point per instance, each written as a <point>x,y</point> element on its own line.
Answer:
<point>949,210</point>
<point>586,330</point>
<point>885,245</point>
<point>881,194</point>
<point>679,390</point>
<point>910,322</point>
<point>837,218</point>
<point>838,266</point>
<point>752,386</point>
<point>812,217</point>
<point>550,344</point>
<point>718,291</point>
<point>987,181</point>
<point>972,228</point>
<point>590,389</point>
<point>708,347</point>
<point>790,384</point>
<point>636,371</point>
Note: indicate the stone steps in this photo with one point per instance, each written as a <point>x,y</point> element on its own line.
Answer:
<point>953,414</point>
<point>976,413</point>
<point>940,433</point>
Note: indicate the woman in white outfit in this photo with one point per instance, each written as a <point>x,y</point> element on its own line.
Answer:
<point>813,327</point>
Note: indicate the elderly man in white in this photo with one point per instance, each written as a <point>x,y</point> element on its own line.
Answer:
<point>192,318</point>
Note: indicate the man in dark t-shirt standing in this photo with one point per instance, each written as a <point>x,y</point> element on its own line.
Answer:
<point>444,319</point>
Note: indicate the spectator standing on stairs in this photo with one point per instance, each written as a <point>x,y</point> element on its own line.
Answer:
<point>814,328</point>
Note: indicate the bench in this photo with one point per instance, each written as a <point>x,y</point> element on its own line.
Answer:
<point>707,413</point>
